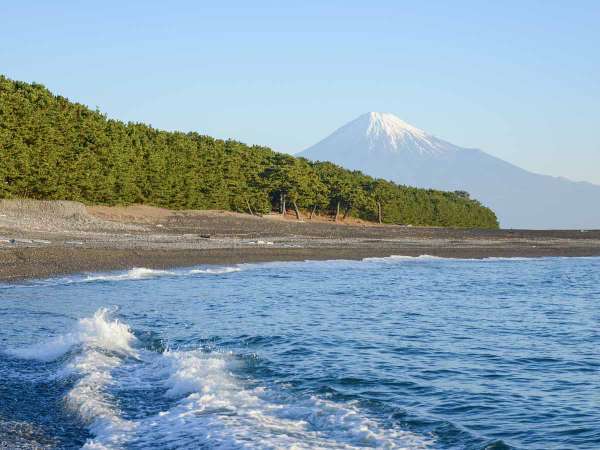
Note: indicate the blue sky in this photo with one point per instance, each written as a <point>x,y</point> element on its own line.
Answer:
<point>518,79</point>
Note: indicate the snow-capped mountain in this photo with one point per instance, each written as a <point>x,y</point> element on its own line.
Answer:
<point>382,145</point>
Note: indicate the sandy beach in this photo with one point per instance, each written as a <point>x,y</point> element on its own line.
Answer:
<point>45,239</point>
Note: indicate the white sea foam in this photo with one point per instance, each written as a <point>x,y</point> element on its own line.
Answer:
<point>48,350</point>
<point>517,258</point>
<point>396,258</point>
<point>96,408</point>
<point>215,270</point>
<point>105,342</point>
<point>142,273</point>
<point>215,408</point>
<point>137,273</point>
<point>393,258</point>
<point>95,331</point>
<point>102,343</point>
<point>206,402</point>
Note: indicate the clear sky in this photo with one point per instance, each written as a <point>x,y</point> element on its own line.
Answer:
<point>518,79</point>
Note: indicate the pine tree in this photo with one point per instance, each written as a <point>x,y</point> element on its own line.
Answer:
<point>51,148</point>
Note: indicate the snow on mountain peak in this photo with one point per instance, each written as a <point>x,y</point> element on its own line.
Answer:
<point>389,132</point>
<point>390,125</point>
<point>381,134</point>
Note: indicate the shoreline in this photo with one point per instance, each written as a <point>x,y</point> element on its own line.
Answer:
<point>40,263</point>
<point>42,239</point>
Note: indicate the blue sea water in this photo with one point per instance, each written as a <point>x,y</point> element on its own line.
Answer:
<point>409,353</point>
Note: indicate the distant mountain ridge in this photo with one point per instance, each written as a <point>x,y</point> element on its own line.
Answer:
<point>382,145</point>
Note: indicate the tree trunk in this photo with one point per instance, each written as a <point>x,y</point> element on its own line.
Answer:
<point>379,214</point>
<point>346,212</point>
<point>337,211</point>
<point>282,203</point>
<point>249,207</point>
<point>296,209</point>
<point>312,212</point>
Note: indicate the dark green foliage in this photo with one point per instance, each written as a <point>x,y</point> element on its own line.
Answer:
<point>51,148</point>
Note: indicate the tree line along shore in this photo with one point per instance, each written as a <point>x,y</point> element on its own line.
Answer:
<point>52,148</point>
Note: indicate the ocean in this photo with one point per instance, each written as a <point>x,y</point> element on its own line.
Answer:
<point>404,353</point>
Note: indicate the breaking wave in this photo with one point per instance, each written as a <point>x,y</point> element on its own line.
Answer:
<point>216,408</point>
<point>395,258</point>
<point>138,273</point>
<point>90,332</point>
<point>401,258</point>
<point>216,270</point>
<point>99,345</point>
<point>141,273</point>
<point>205,402</point>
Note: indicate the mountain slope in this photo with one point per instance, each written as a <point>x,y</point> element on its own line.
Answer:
<point>384,146</point>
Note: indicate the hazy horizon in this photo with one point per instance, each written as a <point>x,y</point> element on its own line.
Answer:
<point>525,90</point>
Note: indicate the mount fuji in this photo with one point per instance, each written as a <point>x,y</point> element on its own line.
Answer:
<point>382,145</point>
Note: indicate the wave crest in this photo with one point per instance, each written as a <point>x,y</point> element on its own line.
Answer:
<point>100,330</point>
<point>102,343</point>
<point>401,258</point>
<point>137,273</point>
<point>216,270</point>
<point>205,402</point>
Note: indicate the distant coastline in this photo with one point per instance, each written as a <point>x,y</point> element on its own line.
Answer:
<point>47,239</point>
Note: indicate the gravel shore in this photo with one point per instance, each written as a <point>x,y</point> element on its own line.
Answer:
<point>45,239</point>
